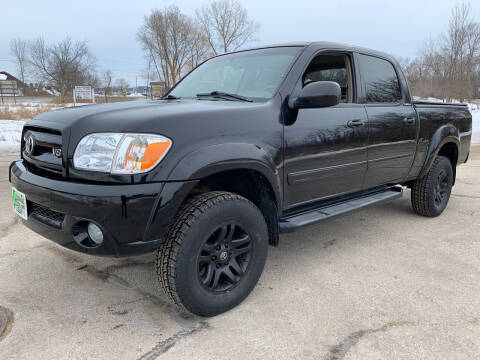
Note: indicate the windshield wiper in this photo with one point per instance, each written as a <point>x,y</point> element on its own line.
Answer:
<point>170,97</point>
<point>225,95</point>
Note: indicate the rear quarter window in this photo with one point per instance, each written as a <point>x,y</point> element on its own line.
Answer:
<point>381,81</point>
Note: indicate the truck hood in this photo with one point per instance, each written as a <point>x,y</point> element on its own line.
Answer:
<point>185,120</point>
<point>129,115</point>
<point>195,127</point>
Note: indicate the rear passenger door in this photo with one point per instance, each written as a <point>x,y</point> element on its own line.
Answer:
<point>392,123</point>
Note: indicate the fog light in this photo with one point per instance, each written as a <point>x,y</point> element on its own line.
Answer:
<point>95,233</point>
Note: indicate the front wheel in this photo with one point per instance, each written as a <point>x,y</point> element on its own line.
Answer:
<point>214,253</point>
<point>431,193</point>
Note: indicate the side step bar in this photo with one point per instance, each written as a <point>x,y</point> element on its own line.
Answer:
<point>292,223</point>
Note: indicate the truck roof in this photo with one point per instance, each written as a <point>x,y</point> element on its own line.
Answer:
<point>325,45</point>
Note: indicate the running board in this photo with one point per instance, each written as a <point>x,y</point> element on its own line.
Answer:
<point>292,223</point>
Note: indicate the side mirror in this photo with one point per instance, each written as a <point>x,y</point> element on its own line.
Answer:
<point>319,94</point>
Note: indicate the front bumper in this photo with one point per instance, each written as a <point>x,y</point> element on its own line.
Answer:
<point>133,218</point>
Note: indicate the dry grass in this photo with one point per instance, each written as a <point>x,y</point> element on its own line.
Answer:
<point>28,111</point>
<point>98,99</point>
<point>23,111</point>
<point>101,100</point>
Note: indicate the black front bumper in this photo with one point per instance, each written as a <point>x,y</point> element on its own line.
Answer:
<point>133,218</point>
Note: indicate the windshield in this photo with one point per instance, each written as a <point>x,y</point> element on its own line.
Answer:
<point>253,74</point>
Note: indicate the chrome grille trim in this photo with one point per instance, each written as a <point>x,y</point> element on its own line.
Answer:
<point>42,155</point>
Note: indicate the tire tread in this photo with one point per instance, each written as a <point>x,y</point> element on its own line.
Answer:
<point>169,252</point>
<point>420,191</point>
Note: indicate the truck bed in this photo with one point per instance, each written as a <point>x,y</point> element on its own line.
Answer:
<point>435,103</point>
<point>452,119</point>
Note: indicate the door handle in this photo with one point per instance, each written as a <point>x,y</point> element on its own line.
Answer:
<point>409,121</point>
<point>355,123</point>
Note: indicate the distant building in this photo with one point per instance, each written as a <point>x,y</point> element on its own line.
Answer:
<point>7,76</point>
<point>23,88</point>
<point>9,85</point>
<point>157,88</point>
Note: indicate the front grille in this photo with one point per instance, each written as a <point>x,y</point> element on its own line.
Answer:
<point>39,146</point>
<point>45,215</point>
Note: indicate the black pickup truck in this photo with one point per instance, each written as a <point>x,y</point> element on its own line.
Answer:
<point>248,145</point>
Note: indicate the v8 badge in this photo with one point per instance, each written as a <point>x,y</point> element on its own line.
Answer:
<point>57,152</point>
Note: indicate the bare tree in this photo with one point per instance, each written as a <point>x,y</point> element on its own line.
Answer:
<point>200,51</point>
<point>171,43</point>
<point>107,83</point>
<point>93,80</point>
<point>226,25</point>
<point>448,67</point>
<point>63,65</point>
<point>122,85</point>
<point>18,48</point>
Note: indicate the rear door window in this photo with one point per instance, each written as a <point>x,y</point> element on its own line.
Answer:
<point>381,81</point>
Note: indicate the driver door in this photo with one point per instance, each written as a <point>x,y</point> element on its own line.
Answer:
<point>326,148</point>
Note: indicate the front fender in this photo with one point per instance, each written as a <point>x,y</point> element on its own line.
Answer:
<point>443,135</point>
<point>213,159</point>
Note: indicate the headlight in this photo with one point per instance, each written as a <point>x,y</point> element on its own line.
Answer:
<point>120,153</point>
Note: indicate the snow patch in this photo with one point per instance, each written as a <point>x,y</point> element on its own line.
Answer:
<point>51,91</point>
<point>476,126</point>
<point>136,94</point>
<point>10,134</point>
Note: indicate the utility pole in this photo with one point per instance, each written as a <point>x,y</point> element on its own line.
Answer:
<point>148,78</point>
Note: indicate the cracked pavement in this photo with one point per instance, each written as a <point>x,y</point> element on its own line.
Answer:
<point>373,284</point>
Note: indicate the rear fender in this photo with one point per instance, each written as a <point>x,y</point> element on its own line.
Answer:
<point>443,135</point>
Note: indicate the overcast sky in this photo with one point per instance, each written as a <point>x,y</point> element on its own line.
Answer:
<point>110,27</point>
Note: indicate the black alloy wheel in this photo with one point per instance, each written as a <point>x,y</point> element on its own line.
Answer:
<point>224,257</point>
<point>441,188</point>
<point>430,194</point>
<point>214,253</point>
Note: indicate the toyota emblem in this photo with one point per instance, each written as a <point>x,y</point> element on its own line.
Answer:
<point>30,144</point>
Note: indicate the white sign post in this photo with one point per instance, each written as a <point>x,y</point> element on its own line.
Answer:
<point>8,88</point>
<point>83,93</point>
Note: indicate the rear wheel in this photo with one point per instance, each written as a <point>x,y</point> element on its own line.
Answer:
<point>431,193</point>
<point>214,253</point>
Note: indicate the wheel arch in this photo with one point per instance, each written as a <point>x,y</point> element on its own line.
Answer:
<point>252,185</point>
<point>215,159</point>
<point>444,142</point>
<point>242,168</point>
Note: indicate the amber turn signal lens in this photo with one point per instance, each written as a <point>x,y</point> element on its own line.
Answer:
<point>153,153</point>
<point>140,153</point>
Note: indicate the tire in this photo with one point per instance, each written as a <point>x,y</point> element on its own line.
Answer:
<point>214,253</point>
<point>431,193</point>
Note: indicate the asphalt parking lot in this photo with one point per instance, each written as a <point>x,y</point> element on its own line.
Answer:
<point>379,283</point>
